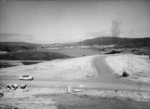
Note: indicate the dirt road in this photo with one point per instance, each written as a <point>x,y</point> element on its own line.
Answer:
<point>112,81</point>
<point>105,80</point>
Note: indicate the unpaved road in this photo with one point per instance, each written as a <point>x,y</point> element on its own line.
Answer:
<point>106,79</point>
<point>112,81</point>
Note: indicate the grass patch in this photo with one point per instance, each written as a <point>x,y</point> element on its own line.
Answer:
<point>75,101</point>
<point>29,63</point>
<point>32,55</point>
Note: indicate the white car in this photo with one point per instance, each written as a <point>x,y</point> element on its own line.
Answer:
<point>26,77</point>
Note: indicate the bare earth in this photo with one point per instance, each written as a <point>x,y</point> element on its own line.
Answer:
<point>67,69</point>
<point>137,66</point>
<point>49,89</point>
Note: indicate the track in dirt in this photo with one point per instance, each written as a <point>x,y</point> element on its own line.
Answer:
<point>105,79</point>
<point>106,75</point>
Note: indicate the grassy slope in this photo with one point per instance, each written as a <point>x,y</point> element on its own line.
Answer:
<point>117,41</point>
<point>16,46</point>
<point>74,101</point>
<point>32,55</point>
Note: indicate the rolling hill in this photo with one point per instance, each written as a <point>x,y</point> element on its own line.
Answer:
<point>32,55</point>
<point>117,41</point>
<point>17,46</point>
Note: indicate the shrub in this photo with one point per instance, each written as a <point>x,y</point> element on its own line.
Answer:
<point>125,74</point>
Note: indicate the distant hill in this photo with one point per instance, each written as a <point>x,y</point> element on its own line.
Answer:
<point>117,41</point>
<point>17,46</point>
<point>32,55</point>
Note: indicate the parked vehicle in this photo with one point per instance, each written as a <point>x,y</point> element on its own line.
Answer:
<point>23,86</point>
<point>26,77</point>
<point>8,86</point>
<point>12,86</point>
<point>1,94</point>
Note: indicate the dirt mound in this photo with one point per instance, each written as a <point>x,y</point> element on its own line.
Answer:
<point>134,65</point>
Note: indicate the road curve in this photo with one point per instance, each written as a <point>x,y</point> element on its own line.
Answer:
<point>107,76</point>
<point>105,80</point>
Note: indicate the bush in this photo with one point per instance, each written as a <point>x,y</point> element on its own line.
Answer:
<point>125,74</point>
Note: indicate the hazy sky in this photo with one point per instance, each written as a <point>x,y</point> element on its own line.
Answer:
<point>66,21</point>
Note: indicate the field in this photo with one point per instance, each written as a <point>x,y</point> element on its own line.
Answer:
<point>59,98</point>
<point>76,51</point>
<point>62,69</point>
<point>32,55</point>
<point>71,82</point>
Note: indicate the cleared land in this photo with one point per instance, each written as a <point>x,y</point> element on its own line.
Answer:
<point>88,90</point>
<point>63,69</point>
<point>138,67</point>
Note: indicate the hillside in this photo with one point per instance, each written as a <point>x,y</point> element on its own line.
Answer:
<point>32,55</point>
<point>17,46</point>
<point>117,41</point>
<point>137,67</point>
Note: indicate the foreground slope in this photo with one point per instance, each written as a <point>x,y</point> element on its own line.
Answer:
<point>62,69</point>
<point>48,90</point>
<point>138,67</point>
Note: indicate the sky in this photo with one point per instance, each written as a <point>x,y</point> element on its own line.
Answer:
<point>58,21</point>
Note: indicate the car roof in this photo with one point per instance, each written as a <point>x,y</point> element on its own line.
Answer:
<point>25,75</point>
